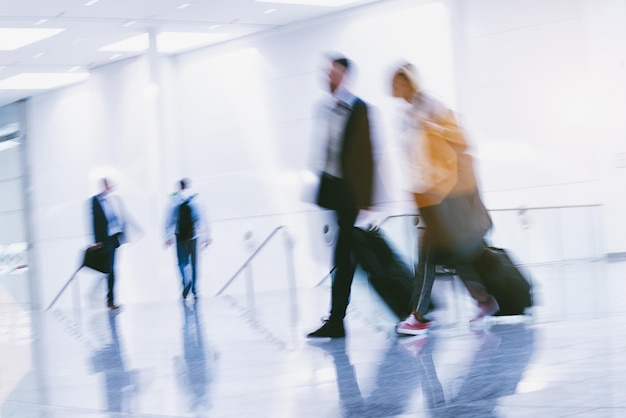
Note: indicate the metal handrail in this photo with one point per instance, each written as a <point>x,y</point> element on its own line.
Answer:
<point>250,258</point>
<point>518,209</point>
<point>379,225</point>
<point>590,205</point>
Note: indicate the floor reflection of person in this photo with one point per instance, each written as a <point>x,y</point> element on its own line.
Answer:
<point>118,380</point>
<point>496,370</point>
<point>397,378</point>
<point>408,364</point>
<point>193,368</point>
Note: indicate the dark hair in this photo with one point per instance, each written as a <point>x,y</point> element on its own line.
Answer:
<point>343,61</point>
<point>184,183</point>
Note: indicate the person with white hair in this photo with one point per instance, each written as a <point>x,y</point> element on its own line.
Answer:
<point>440,175</point>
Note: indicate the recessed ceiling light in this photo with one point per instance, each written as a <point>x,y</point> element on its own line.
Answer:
<point>11,143</point>
<point>38,55</point>
<point>323,3</point>
<point>129,24</point>
<point>167,42</point>
<point>268,11</point>
<point>73,69</point>
<point>115,56</point>
<point>183,6</point>
<point>136,43</point>
<point>41,22</point>
<point>15,38</point>
<point>215,27</point>
<point>91,2</point>
<point>171,42</point>
<point>10,129</point>
<point>41,81</point>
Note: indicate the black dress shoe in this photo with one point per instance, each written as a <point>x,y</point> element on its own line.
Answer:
<point>330,329</point>
<point>112,306</point>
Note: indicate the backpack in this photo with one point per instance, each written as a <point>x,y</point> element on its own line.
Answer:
<point>184,223</point>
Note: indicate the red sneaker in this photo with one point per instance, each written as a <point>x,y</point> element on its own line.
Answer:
<point>415,345</point>
<point>411,326</point>
<point>486,309</point>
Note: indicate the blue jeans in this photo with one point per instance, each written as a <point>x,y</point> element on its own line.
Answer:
<point>186,250</point>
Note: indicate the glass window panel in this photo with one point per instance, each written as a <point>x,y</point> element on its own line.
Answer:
<point>14,277</point>
<point>12,227</point>
<point>10,160</point>
<point>12,192</point>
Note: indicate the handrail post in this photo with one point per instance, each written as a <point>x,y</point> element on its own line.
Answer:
<point>249,286</point>
<point>249,259</point>
<point>291,270</point>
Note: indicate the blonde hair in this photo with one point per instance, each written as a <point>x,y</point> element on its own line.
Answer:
<point>409,71</point>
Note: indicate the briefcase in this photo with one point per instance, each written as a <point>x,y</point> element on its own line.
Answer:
<point>97,258</point>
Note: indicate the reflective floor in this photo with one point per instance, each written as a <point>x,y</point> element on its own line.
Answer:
<point>244,356</point>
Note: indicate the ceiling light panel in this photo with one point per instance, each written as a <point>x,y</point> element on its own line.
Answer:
<point>167,42</point>
<point>41,81</point>
<point>321,3</point>
<point>136,43</point>
<point>172,42</point>
<point>16,38</point>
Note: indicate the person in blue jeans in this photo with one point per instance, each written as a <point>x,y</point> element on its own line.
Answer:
<point>186,225</point>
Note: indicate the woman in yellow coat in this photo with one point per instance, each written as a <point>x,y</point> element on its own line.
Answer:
<point>441,177</point>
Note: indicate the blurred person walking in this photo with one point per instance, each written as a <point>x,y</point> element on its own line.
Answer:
<point>109,228</point>
<point>186,225</point>
<point>441,177</point>
<point>345,187</point>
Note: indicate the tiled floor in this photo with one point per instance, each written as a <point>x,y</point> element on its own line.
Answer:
<point>238,356</point>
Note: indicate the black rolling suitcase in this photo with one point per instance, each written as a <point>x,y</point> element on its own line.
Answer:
<point>504,281</point>
<point>389,275</point>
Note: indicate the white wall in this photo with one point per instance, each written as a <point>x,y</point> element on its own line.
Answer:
<point>238,120</point>
<point>542,90</point>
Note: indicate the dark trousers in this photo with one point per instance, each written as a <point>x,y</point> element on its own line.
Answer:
<point>343,260</point>
<point>424,275</point>
<point>186,251</point>
<point>429,258</point>
<point>111,245</point>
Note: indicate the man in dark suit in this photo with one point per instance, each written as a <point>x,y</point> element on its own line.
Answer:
<point>345,185</point>
<point>108,231</point>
